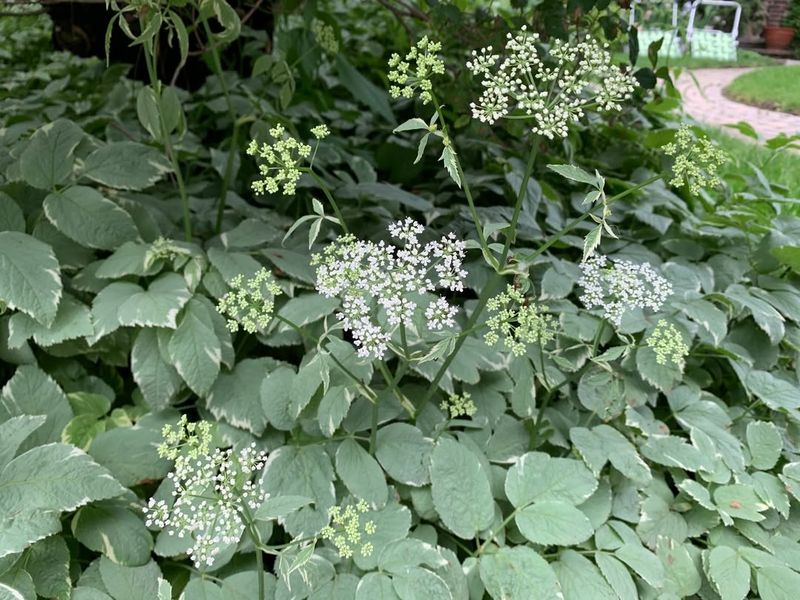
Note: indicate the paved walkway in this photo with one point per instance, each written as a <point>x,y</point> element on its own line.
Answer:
<point>703,100</point>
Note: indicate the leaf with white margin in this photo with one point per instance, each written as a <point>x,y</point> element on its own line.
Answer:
<point>30,279</point>
<point>537,476</point>
<point>519,573</point>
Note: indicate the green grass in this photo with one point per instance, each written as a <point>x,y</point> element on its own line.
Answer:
<point>745,58</point>
<point>777,88</point>
<point>780,167</point>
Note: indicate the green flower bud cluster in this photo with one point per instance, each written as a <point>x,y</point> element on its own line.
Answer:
<point>347,531</point>
<point>325,36</point>
<point>667,342</point>
<point>250,303</point>
<point>517,322</point>
<point>459,405</point>
<point>415,70</point>
<point>192,438</point>
<point>280,169</point>
<point>696,160</point>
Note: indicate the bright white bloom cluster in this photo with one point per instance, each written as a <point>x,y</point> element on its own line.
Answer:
<point>320,131</point>
<point>281,158</point>
<point>250,303</point>
<point>407,78</point>
<point>553,91</point>
<point>325,36</point>
<point>696,160</point>
<point>620,285</point>
<point>380,280</point>
<point>212,494</point>
<point>347,531</point>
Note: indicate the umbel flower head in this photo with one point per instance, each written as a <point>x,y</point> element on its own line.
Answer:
<point>518,322</point>
<point>324,36</point>
<point>250,303</point>
<point>552,90</point>
<point>415,71</point>
<point>696,160</point>
<point>282,160</point>
<point>348,529</point>
<point>459,405</point>
<point>667,342</point>
<point>379,284</point>
<point>212,491</point>
<point>619,286</point>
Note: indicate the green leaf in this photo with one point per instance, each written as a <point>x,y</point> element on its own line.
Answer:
<point>708,316</point>
<point>13,432</point>
<point>333,408</point>
<point>553,522</point>
<point>278,507</point>
<point>159,306</point>
<point>451,164</point>
<point>125,165</point>
<point>538,477</point>
<point>773,391</point>
<point>411,125</point>
<point>48,562</point>
<point>301,471</point>
<point>361,473</point>
<point>194,349</point>
<point>519,573</point>
<point>592,241</point>
<point>404,453</point>
<point>460,487</point>
<point>580,579</point>
<point>574,173</point>
<point>9,593</point>
<point>618,576</point>
<point>645,563</point>
<point>85,216</point>
<point>673,451</point>
<point>363,89</point>
<point>375,586</point>
<point>53,477</point>
<point>603,444</point>
<point>115,532</point>
<point>601,392</point>
<point>30,280</point>
<point>17,532</point>
<point>766,317</point>
<point>131,454</point>
<point>32,392</point>
<point>417,583</point>
<point>662,377</point>
<point>765,443</point>
<point>48,158</point>
<point>11,215</point>
<point>130,583</point>
<point>236,396</point>
<point>156,377</point>
<point>729,573</point>
<point>739,501</point>
<point>73,320</point>
<point>392,523</point>
<point>777,583</point>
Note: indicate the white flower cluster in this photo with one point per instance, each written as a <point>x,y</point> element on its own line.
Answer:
<point>281,162</point>
<point>552,92</point>
<point>250,303</point>
<point>212,493</point>
<point>621,286</point>
<point>380,279</point>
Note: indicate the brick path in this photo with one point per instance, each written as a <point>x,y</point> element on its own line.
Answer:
<point>704,101</point>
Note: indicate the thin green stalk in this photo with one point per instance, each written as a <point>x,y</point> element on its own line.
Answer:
<point>155,82</point>
<point>216,66</point>
<point>523,189</point>
<point>404,402</point>
<point>373,433</point>
<point>476,219</point>
<point>323,186</point>
<point>252,530</point>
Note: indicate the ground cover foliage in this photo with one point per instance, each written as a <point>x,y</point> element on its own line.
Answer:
<point>572,374</point>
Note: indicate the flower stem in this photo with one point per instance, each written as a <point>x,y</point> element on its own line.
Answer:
<point>521,193</point>
<point>404,402</point>
<point>324,187</point>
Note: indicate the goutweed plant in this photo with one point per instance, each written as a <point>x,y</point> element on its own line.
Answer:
<point>498,327</point>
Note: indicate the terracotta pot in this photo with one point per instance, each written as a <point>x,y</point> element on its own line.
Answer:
<point>778,38</point>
